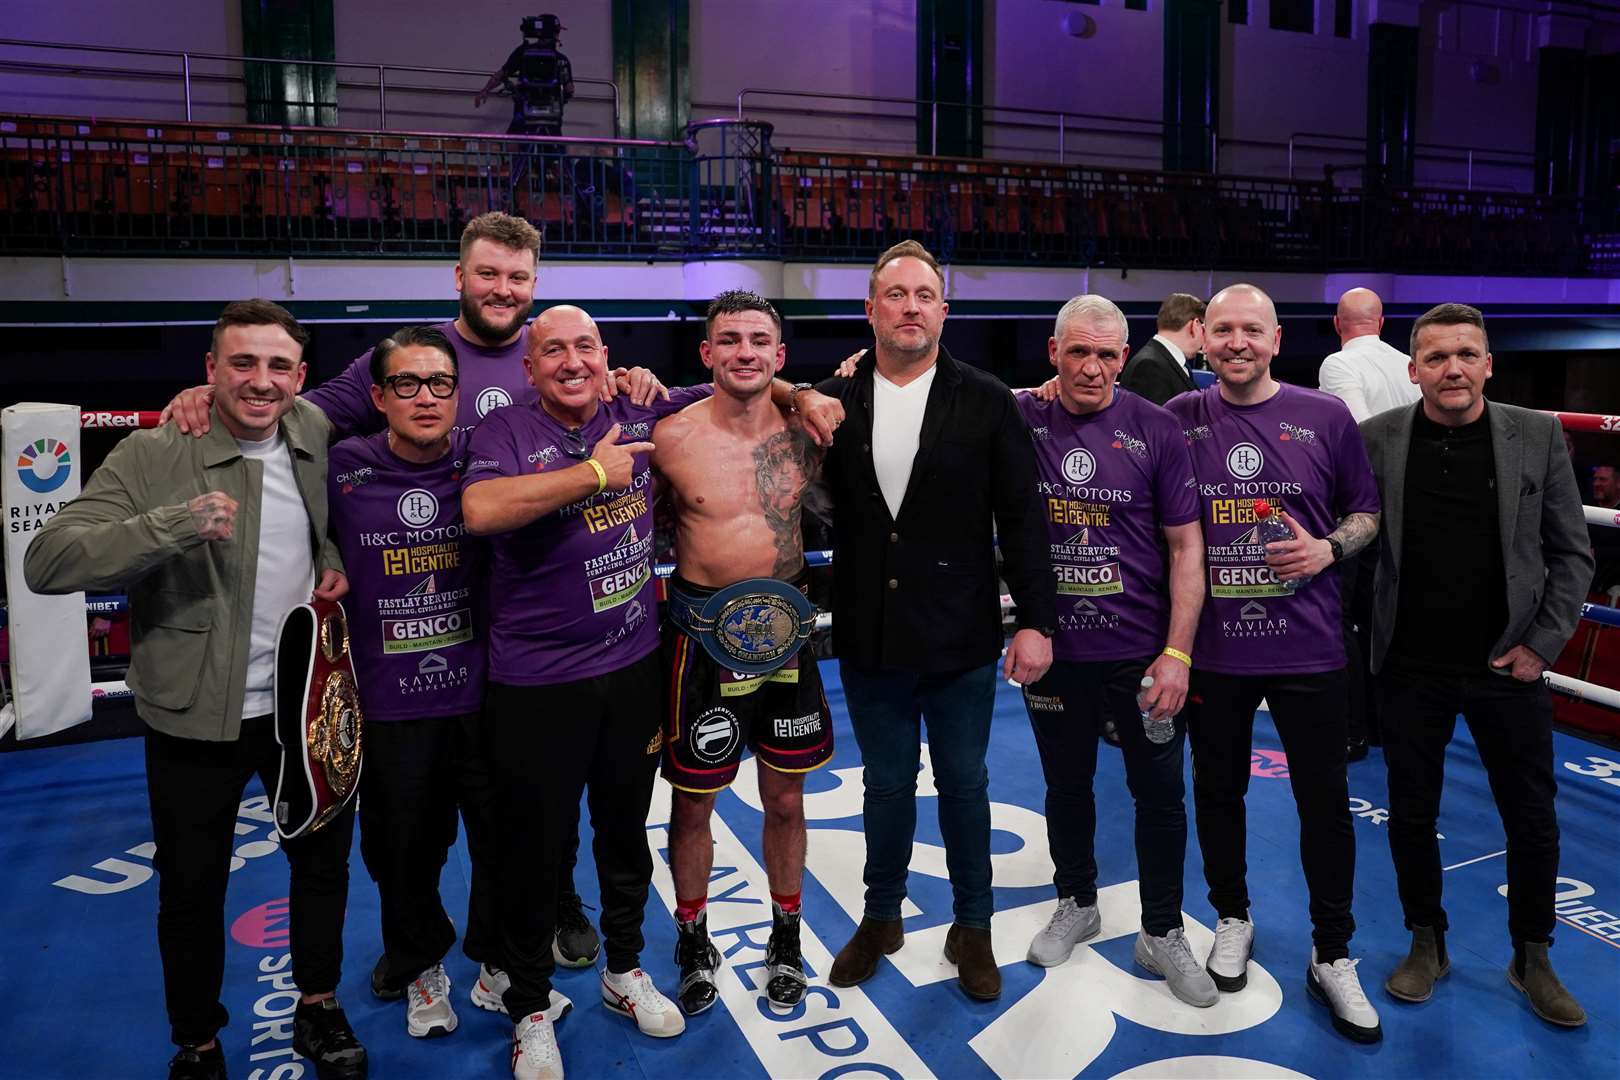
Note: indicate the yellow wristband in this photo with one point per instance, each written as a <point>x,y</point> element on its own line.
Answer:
<point>1179,655</point>
<point>601,478</point>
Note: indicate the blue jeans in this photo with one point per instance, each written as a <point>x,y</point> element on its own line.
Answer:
<point>884,710</point>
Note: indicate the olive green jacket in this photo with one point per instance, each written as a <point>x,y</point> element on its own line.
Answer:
<point>191,601</point>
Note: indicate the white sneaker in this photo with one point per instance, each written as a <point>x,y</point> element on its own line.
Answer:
<point>1337,986</point>
<point>633,994</point>
<point>1070,924</point>
<point>534,1050</point>
<point>1228,962</point>
<point>428,1014</point>
<point>488,991</point>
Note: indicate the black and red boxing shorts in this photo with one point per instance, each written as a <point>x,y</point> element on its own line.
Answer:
<point>714,714</point>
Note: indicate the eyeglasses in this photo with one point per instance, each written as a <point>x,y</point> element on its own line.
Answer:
<point>408,386</point>
<point>574,444</point>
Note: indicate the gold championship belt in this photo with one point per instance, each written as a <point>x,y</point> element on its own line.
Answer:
<point>751,627</point>
<point>318,720</point>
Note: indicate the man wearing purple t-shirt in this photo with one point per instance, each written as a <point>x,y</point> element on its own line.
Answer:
<point>417,626</point>
<point>1270,630</point>
<point>575,691</point>
<point>1117,487</point>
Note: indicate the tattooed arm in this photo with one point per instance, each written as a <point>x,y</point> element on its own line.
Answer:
<point>1306,556</point>
<point>1355,532</point>
<point>786,466</point>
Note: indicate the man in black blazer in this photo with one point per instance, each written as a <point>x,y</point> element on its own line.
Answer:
<point>1482,568</point>
<point>1158,370</point>
<point>932,466</point>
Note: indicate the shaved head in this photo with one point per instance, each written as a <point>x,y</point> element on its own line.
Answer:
<point>564,320</point>
<point>1241,293</point>
<point>1360,311</point>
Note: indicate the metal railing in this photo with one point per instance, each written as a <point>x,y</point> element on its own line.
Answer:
<point>1467,155</point>
<point>1064,119</point>
<point>187,76</point>
<point>67,186</point>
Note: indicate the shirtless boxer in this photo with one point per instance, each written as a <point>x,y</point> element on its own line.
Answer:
<point>737,472</point>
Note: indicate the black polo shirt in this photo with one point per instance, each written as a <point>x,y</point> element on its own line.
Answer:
<point>1453,587</point>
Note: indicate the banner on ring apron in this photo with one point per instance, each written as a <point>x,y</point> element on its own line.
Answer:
<point>50,655</point>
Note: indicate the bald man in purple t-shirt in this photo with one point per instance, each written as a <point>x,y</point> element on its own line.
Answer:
<point>1270,630</point>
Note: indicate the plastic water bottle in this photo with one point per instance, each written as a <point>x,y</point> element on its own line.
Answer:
<point>1272,529</point>
<point>1158,731</point>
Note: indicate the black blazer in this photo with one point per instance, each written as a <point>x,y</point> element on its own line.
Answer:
<point>1543,530</point>
<point>919,592</point>
<point>1154,374</point>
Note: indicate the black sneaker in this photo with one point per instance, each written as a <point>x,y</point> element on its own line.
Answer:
<point>380,988</point>
<point>698,960</point>
<point>576,943</point>
<point>322,1034</point>
<point>784,966</point>
<point>193,1064</point>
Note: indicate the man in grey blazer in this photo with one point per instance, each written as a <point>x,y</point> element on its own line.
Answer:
<point>1482,567</point>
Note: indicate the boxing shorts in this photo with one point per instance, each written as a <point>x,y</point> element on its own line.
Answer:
<point>777,709</point>
<point>318,719</point>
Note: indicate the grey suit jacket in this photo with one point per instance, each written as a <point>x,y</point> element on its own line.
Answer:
<point>1545,551</point>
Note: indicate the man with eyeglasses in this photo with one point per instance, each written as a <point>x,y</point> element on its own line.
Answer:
<point>417,631</point>
<point>495,280</point>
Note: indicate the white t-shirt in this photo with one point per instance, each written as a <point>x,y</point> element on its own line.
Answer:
<point>1369,376</point>
<point>897,416</point>
<point>285,575</point>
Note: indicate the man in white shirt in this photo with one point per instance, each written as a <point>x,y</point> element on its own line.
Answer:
<point>1367,374</point>
<point>1158,370</point>
<point>1370,376</point>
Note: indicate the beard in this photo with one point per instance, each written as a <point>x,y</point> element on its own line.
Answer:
<point>487,332</point>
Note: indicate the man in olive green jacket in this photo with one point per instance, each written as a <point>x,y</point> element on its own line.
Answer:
<point>216,539</point>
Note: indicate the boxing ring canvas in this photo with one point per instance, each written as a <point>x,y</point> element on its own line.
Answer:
<point>79,941</point>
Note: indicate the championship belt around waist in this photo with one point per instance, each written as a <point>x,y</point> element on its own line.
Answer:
<point>318,719</point>
<point>751,627</point>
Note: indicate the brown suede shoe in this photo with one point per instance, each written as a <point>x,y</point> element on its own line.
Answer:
<point>976,969</point>
<point>857,961</point>
<point>1414,979</point>
<point>1541,985</point>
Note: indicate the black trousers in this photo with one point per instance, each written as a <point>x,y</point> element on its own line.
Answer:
<point>195,790</point>
<point>1511,722</point>
<point>1067,709</point>
<point>548,744</point>
<point>1308,711</point>
<point>417,773</point>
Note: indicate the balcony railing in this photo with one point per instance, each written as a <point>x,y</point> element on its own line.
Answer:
<point>78,187</point>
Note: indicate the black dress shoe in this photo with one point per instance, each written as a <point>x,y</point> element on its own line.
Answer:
<point>193,1064</point>
<point>322,1034</point>
<point>1355,751</point>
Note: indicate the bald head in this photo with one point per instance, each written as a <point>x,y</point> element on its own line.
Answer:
<point>1359,313</point>
<point>563,321</point>
<point>1245,297</point>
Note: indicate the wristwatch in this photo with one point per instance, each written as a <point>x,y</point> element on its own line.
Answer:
<point>1338,549</point>
<point>793,394</point>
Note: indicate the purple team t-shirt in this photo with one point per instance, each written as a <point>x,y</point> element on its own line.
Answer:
<point>571,593</point>
<point>1108,481</point>
<point>490,379</point>
<point>416,600</point>
<point>1299,450</point>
